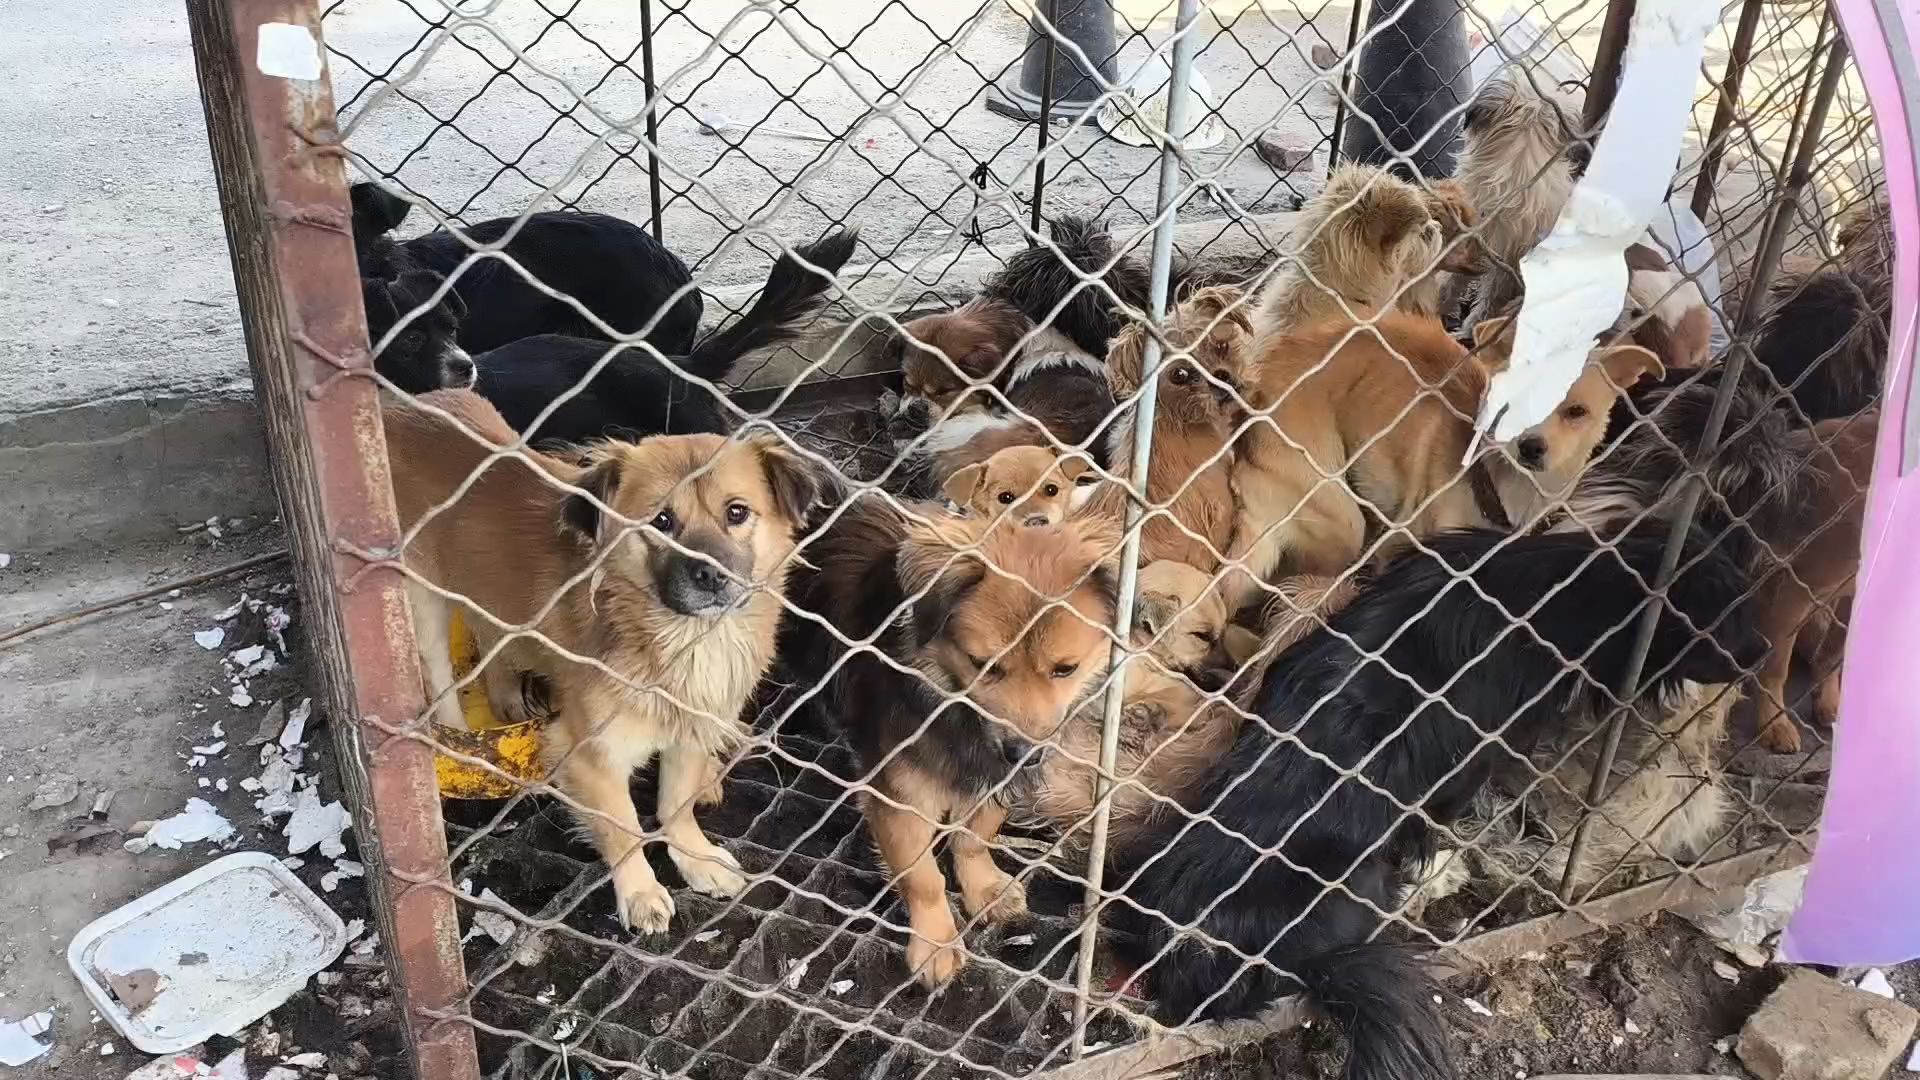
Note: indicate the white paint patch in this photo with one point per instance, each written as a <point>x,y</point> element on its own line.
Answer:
<point>1576,279</point>
<point>287,51</point>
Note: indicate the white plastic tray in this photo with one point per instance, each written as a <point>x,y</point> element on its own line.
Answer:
<point>230,942</point>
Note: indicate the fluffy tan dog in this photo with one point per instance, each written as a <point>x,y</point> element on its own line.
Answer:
<point>1358,244</point>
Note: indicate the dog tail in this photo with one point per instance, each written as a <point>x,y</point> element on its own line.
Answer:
<point>1381,996</point>
<point>792,292</point>
<point>1049,283</point>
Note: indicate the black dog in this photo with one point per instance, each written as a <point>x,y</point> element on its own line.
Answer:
<point>614,268</point>
<point>424,355</point>
<point>633,396</point>
<point>1825,340</point>
<point>1055,293</point>
<point>1431,629</point>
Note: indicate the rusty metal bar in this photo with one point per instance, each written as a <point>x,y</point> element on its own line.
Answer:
<point>1346,83</point>
<point>1737,53</point>
<point>283,189</point>
<point>1765,263</point>
<point>1605,80</point>
<point>653,117</point>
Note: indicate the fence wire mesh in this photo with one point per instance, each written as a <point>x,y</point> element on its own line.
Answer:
<point>1198,674</point>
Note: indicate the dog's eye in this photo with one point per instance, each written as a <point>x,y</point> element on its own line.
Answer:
<point>1065,671</point>
<point>1574,412</point>
<point>978,662</point>
<point>1050,490</point>
<point>1180,376</point>
<point>1005,498</point>
<point>665,521</point>
<point>737,513</point>
<point>1205,638</point>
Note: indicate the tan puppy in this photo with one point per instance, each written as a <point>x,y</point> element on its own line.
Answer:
<point>675,638</point>
<point>1357,244</point>
<point>1169,732</point>
<point>1190,473</point>
<point>1376,423</point>
<point>1028,485</point>
<point>1517,173</point>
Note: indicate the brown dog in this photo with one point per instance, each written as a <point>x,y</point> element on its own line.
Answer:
<point>1027,485</point>
<point>1004,631</point>
<point>1362,428</point>
<point>1170,732</point>
<point>669,615</point>
<point>1191,471</point>
<point>1803,603</point>
<point>1461,255</point>
<point>1357,245</point>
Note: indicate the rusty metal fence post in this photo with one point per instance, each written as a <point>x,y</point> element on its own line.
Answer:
<point>283,193</point>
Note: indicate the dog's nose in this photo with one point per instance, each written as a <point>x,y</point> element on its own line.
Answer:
<point>706,576</point>
<point>460,371</point>
<point>1018,752</point>
<point>1533,451</point>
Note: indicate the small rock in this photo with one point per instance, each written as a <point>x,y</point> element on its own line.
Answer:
<point>58,789</point>
<point>1283,159</point>
<point>1630,1027</point>
<point>1815,1027</point>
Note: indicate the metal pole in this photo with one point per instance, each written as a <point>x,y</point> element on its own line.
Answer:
<point>1786,197</point>
<point>1346,83</point>
<point>1158,287</point>
<point>1046,119</point>
<point>653,116</point>
<point>283,192</point>
<point>1736,70</point>
<point>1606,63</point>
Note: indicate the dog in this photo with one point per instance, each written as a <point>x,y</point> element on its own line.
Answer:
<point>633,396</point>
<point>1785,500</point>
<point>666,575</point>
<point>1389,407</point>
<point>613,268</point>
<point>1189,479</point>
<point>1825,332</point>
<point>1462,257</point>
<point>1402,688</point>
<point>1027,485</point>
<point>424,354</point>
<point>994,658</point>
<point>1171,731</point>
<point>1359,244</point>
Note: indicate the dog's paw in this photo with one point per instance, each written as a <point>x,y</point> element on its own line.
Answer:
<point>714,872</point>
<point>714,789</point>
<point>1002,899</point>
<point>645,905</point>
<point>934,965</point>
<point>888,405</point>
<point>1781,736</point>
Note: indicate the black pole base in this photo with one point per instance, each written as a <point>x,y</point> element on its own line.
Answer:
<point>1021,92</point>
<point>1409,86</point>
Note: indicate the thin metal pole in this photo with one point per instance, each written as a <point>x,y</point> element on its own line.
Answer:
<point>1346,83</point>
<point>1158,286</point>
<point>1046,115</point>
<point>1606,63</point>
<point>1786,197</point>
<point>1737,53</point>
<point>653,116</point>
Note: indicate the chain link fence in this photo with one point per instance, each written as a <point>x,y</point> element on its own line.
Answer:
<point>1073,525</point>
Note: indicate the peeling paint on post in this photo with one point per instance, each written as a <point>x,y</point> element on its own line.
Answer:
<point>283,191</point>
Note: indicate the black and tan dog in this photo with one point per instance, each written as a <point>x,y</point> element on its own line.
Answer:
<point>1002,631</point>
<point>664,586</point>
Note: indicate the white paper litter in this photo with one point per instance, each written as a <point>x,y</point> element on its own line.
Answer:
<point>233,1066</point>
<point>248,783</point>
<point>311,1060</point>
<point>365,946</point>
<point>281,1072</point>
<point>238,605</point>
<point>295,732</point>
<point>705,936</point>
<point>211,749</point>
<point>240,698</point>
<point>210,639</point>
<point>491,923</point>
<point>1726,971</point>
<point>839,987</point>
<point>20,1039</point>
<point>199,821</point>
<point>356,927</point>
<point>106,1049</point>
<point>275,785</point>
<point>1576,278</point>
<point>1020,939</point>
<point>1630,1027</point>
<point>313,823</point>
<point>277,622</point>
<point>1875,982</point>
<point>6,560</point>
<point>796,970</point>
<point>249,655</point>
<point>1475,1007</point>
<point>1760,912</point>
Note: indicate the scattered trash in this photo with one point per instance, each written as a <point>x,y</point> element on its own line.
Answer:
<point>715,123</point>
<point>281,1072</point>
<point>84,837</point>
<point>1020,939</point>
<point>136,989</point>
<point>199,821</point>
<point>20,1039</point>
<point>1630,1027</point>
<point>6,560</point>
<point>356,927</point>
<point>277,622</point>
<point>1761,911</point>
<point>1724,1045</point>
<point>1875,982</point>
<point>705,936</point>
<point>58,789</point>
<point>311,1060</point>
<point>233,1066</point>
<point>366,945</point>
<point>270,725</point>
<point>1726,971</point>
<point>491,923</point>
<point>839,987</point>
<point>212,749</point>
<point>1137,115</point>
<point>347,868</point>
<point>295,732</point>
<point>796,970</point>
<point>106,1049</point>
<point>101,804</point>
<point>210,639</point>
<point>275,786</point>
<point>226,944</point>
<point>312,823</point>
<point>240,698</point>
<point>1478,1009</point>
<point>238,605</point>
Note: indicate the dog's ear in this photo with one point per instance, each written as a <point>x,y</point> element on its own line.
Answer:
<point>980,361</point>
<point>1072,467</point>
<point>1126,354</point>
<point>376,210</point>
<point>964,484</point>
<point>796,482</point>
<point>1153,613</point>
<point>1388,220</point>
<point>927,561</point>
<point>1487,331</point>
<point>602,478</point>
<point>416,287</point>
<point>1626,365</point>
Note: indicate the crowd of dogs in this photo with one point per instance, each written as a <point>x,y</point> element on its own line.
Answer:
<point>1335,621</point>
